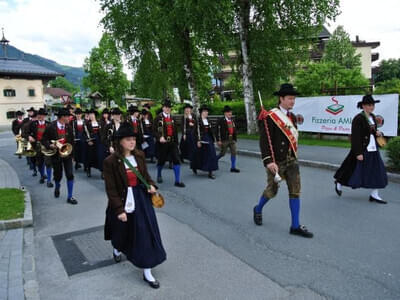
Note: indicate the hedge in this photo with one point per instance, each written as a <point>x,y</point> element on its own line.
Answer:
<point>393,152</point>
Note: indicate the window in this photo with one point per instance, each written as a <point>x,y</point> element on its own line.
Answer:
<point>9,93</point>
<point>11,114</point>
<point>31,93</point>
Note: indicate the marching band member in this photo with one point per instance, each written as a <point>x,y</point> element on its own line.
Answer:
<point>111,128</point>
<point>25,128</point>
<point>226,137</point>
<point>134,120</point>
<point>148,137</point>
<point>80,141</point>
<point>61,131</point>
<point>187,145</point>
<point>167,143</point>
<point>93,139</point>
<point>147,107</point>
<point>363,166</point>
<point>131,223</point>
<point>36,131</point>
<point>17,124</point>
<point>278,143</point>
<point>205,157</point>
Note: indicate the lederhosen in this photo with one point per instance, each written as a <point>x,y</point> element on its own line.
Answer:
<point>227,136</point>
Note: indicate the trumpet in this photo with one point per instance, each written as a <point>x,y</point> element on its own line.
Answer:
<point>63,150</point>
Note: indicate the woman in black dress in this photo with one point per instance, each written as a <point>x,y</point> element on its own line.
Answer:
<point>363,166</point>
<point>131,223</point>
<point>92,136</point>
<point>148,144</point>
<point>205,157</point>
<point>187,145</point>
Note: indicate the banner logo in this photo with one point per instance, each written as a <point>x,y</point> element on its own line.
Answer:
<point>336,108</point>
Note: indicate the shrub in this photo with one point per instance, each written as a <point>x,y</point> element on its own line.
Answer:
<point>393,152</point>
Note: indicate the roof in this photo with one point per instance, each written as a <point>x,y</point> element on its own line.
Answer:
<point>57,92</point>
<point>18,67</point>
<point>324,34</point>
<point>373,45</point>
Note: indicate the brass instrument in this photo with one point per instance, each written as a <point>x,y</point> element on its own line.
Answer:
<point>20,144</point>
<point>47,152</point>
<point>29,150</point>
<point>63,150</point>
<point>89,139</point>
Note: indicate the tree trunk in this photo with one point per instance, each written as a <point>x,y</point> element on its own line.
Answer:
<point>244,24</point>
<point>188,67</point>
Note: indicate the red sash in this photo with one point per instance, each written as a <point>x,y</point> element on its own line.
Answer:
<point>40,131</point>
<point>61,135</point>
<point>231,128</point>
<point>170,128</point>
<point>285,129</point>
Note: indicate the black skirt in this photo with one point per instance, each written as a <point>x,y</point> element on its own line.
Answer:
<point>138,238</point>
<point>187,146</point>
<point>205,158</point>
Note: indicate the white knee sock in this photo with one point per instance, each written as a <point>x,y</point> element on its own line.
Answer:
<point>375,194</point>
<point>338,186</point>
<point>148,275</point>
<point>116,252</point>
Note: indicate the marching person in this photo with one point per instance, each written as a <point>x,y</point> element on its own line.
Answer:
<point>205,157</point>
<point>278,143</point>
<point>111,128</point>
<point>187,145</point>
<point>71,113</point>
<point>36,131</point>
<point>61,132</point>
<point>131,222</point>
<point>134,120</point>
<point>227,137</point>
<point>16,125</point>
<point>363,166</point>
<point>147,107</point>
<point>80,141</point>
<point>167,143</point>
<point>93,139</point>
<point>148,137</point>
<point>25,129</point>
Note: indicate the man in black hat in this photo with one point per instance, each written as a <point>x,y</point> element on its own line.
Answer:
<point>147,107</point>
<point>32,116</point>
<point>227,137</point>
<point>79,138</point>
<point>36,131</point>
<point>17,124</point>
<point>278,143</point>
<point>134,121</point>
<point>111,128</point>
<point>166,135</point>
<point>61,131</point>
<point>30,113</point>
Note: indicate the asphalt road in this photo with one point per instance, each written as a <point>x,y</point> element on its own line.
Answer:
<point>354,254</point>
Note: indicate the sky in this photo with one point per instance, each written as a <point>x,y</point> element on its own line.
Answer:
<point>66,30</point>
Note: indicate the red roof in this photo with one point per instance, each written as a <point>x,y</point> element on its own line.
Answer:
<point>57,92</point>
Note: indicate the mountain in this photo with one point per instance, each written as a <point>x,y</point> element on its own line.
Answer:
<point>73,74</point>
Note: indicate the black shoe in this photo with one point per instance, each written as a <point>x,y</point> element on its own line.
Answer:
<point>372,199</point>
<point>301,231</point>
<point>56,193</point>
<point>234,170</point>
<point>77,166</point>
<point>117,258</point>
<point>211,176</point>
<point>153,284</point>
<point>72,201</point>
<point>34,173</point>
<point>194,171</point>
<point>19,156</point>
<point>159,179</point>
<point>88,173</point>
<point>50,185</point>
<point>152,160</point>
<point>179,184</point>
<point>257,217</point>
<point>41,181</point>
<point>338,192</point>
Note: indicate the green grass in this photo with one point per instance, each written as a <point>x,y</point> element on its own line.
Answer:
<point>12,204</point>
<point>307,140</point>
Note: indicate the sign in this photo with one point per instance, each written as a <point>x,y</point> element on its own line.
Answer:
<point>77,100</point>
<point>64,99</point>
<point>334,114</point>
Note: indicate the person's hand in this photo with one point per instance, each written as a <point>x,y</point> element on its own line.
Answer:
<point>123,217</point>
<point>90,143</point>
<point>152,190</point>
<point>184,137</point>
<point>111,150</point>
<point>219,143</point>
<point>53,146</point>
<point>273,167</point>
<point>163,140</point>
<point>31,139</point>
<point>199,144</point>
<point>378,133</point>
<point>360,157</point>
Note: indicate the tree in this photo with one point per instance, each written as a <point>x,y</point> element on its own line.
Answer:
<point>388,69</point>
<point>340,50</point>
<point>104,69</point>
<point>391,86</point>
<point>62,82</point>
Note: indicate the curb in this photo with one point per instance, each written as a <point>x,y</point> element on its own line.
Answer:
<point>316,164</point>
<point>26,221</point>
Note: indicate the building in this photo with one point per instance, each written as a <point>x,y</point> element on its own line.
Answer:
<point>21,84</point>
<point>57,97</point>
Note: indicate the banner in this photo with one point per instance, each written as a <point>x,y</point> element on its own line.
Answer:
<point>334,114</point>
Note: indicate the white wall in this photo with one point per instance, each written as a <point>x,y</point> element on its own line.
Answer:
<point>365,60</point>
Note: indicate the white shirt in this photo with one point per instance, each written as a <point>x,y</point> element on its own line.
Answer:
<point>285,111</point>
<point>79,122</point>
<point>190,117</point>
<point>130,198</point>
<point>42,122</point>
<point>146,121</point>
<point>205,122</point>
<point>165,115</point>
<point>372,143</point>
<point>60,126</point>
<point>94,124</point>
<point>228,119</point>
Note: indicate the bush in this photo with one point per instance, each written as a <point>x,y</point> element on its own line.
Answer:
<point>393,152</point>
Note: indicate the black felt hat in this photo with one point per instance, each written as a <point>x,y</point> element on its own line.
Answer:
<point>188,105</point>
<point>42,112</point>
<point>31,109</point>
<point>78,111</point>
<point>227,108</point>
<point>367,99</point>
<point>105,111</point>
<point>116,111</point>
<point>19,113</point>
<point>167,103</point>
<point>93,111</point>
<point>286,90</point>
<point>125,130</point>
<point>204,107</point>
<point>132,109</point>
<point>69,106</point>
<point>63,112</point>
<point>146,105</point>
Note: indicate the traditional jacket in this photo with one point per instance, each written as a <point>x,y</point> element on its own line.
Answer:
<point>188,124</point>
<point>16,126</point>
<point>108,134</point>
<point>137,128</point>
<point>361,132</point>
<point>78,129</point>
<point>52,133</point>
<point>166,128</point>
<point>117,182</point>
<point>36,131</point>
<point>280,143</point>
<point>91,131</point>
<point>225,129</point>
<point>202,129</point>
